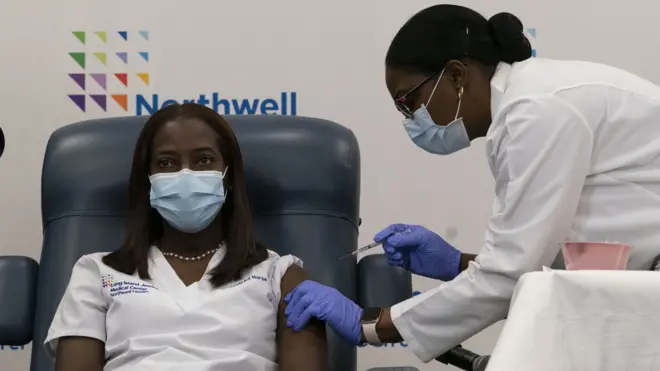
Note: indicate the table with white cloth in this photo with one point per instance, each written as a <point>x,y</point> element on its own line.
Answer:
<point>582,321</point>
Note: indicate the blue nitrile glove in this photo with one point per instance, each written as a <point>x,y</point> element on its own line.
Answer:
<point>311,299</point>
<point>420,251</point>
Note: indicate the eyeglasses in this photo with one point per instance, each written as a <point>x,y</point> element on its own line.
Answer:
<point>401,102</point>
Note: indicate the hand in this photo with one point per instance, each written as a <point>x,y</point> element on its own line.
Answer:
<point>419,251</point>
<point>311,299</point>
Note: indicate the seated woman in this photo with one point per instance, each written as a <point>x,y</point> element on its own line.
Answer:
<point>190,288</point>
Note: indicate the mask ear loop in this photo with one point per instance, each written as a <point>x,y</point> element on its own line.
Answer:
<point>435,87</point>
<point>460,99</point>
<point>223,177</point>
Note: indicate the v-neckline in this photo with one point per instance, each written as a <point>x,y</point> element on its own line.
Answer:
<point>167,280</point>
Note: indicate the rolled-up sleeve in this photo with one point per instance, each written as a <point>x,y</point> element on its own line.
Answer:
<point>542,159</point>
<point>82,309</point>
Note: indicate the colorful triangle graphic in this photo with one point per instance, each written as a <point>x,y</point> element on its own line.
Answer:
<point>145,56</point>
<point>101,100</point>
<point>123,56</point>
<point>80,35</point>
<point>144,34</point>
<point>532,32</point>
<point>123,77</point>
<point>102,57</point>
<point>123,34</point>
<point>100,79</point>
<point>79,79</point>
<point>122,100</point>
<point>103,36</point>
<point>144,77</point>
<point>79,100</point>
<point>79,58</point>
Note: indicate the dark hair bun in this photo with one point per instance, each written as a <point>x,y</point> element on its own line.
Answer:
<point>510,42</point>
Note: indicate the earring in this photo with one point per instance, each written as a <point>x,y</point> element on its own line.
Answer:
<point>460,93</point>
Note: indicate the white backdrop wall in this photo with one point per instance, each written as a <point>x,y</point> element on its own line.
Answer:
<point>324,57</point>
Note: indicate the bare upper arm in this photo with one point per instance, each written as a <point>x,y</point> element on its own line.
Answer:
<point>77,353</point>
<point>305,350</point>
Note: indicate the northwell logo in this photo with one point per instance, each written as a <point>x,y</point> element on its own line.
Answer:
<point>97,65</point>
<point>102,78</point>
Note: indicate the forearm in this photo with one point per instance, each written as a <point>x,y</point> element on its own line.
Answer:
<point>465,261</point>
<point>385,329</point>
<point>451,313</point>
<point>387,332</point>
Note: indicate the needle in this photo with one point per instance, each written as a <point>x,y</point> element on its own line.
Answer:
<point>361,249</point>
<point>372,245</point>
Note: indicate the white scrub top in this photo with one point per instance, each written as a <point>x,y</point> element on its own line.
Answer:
<point>575,151</point>
<point>161,325</point>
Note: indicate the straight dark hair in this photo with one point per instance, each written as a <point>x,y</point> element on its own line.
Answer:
<point>144,226</point>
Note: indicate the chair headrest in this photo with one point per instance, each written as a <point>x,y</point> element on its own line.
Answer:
<point>289,162</point>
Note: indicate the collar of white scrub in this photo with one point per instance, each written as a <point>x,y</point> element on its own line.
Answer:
<point>498,85</point>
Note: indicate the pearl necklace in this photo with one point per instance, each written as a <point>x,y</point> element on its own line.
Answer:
<point>193,258</point>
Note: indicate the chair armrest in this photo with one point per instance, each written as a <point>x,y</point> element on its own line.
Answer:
<point>381,285</point>
<point>18,295</point>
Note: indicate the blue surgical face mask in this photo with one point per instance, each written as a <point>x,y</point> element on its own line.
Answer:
<point>188,200</point>
<point>436,139</point>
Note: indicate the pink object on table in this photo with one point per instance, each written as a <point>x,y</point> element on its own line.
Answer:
<point>595,255</point>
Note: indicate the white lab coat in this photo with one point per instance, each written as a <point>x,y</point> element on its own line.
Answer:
<point>575,151</point>
<point>162,325</point>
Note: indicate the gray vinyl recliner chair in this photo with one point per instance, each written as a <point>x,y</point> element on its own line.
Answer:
<point>303,179</point>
